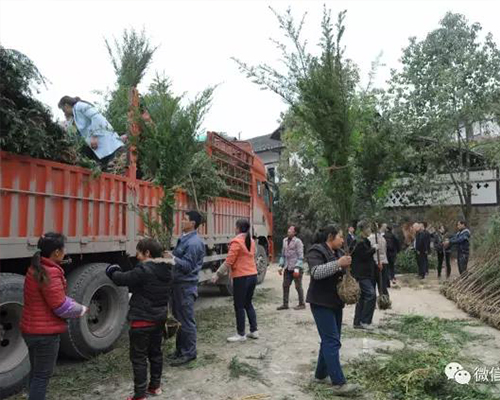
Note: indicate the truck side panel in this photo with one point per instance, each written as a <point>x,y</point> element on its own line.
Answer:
<point>98,214</point>
<point>38,196</point>
<point>221,213</point>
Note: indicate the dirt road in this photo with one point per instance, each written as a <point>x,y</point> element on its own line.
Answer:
<point>282,360</point>
<point>277,366</point>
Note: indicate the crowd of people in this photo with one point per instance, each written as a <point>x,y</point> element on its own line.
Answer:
<point>370,252</point>
<point>424,236</point>
<point>164,280</point>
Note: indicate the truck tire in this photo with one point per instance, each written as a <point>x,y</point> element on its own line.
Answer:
<point>262,262</point>
<point>14,359</point>
<point>226,289</point>
<point>105,321</point>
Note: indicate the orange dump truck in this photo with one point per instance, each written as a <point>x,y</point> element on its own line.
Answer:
<point>98,217</point>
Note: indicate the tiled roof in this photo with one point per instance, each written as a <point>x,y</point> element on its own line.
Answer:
<point>267,142</point>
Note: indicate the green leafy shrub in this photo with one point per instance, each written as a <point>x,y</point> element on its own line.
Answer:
<point>26,124</point>
<point>418,374</point>
<point>406,262</point>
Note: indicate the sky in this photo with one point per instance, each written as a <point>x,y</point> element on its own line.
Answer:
<point>197,40</point>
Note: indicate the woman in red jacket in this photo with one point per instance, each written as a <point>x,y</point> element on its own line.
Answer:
<point>46,307</point>
<point>241,265</point>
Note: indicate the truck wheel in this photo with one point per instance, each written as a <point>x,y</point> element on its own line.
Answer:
<point>262,262</point>
<point>105,321</point>
<point>226,289</point>
<point>14,360</point>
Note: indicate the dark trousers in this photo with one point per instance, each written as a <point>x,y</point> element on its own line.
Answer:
<point>183,299</point>
<point>243,289</point>
<point>287,282</point>
<point>365,307</point>
<point>145,345</point>
<point>392,266</point>
<point>329,324</point>
<point>462,261</point>
<point>43,350</point>
<point>382,279</point>
<point>444,255</point>
<point>103,162</point>
<point>423,264</point>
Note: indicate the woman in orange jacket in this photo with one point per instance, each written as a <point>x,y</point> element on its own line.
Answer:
<point>240,263</point>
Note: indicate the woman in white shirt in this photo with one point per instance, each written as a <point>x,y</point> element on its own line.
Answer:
<point>104,143</point>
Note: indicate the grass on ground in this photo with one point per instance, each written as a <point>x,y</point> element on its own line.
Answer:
<point>414,373</point>
<point>262,295</point>
<point>73,378</point>
<point>214,323</point>
<point>239,368</point>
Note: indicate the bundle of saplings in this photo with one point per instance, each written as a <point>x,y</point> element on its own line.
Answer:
<point>478,290</point>
<point>26,125</point>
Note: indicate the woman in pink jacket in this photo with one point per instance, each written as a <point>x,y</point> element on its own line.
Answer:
<point>240,263</point>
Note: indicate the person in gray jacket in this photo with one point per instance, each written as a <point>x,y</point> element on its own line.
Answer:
<point>291,260</point>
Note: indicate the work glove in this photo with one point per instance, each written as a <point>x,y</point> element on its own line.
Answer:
<point>112,268</point>
<point>85,309</point>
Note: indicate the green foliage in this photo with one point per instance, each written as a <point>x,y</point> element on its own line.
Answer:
<point>376,155</point>
<point>175,127</point>
<point>406,262</point>
<point>167,150</point>
<point>411,374</point>
<point>449,81</point>
<point>203,182</point>
<point>320,91</point>
<point>302,198</point>
<point>438,332</point>
<point>489,241</point>
<point>26,124</point>
<point>239,368</point>
<point>130,57</point>
<point>167,146</point>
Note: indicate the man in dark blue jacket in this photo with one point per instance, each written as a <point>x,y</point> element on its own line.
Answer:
<point>188,259</point>
<point>462,240</point>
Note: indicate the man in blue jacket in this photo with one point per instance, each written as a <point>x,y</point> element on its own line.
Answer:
<point>188,258</point>
<point>462,240</point>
